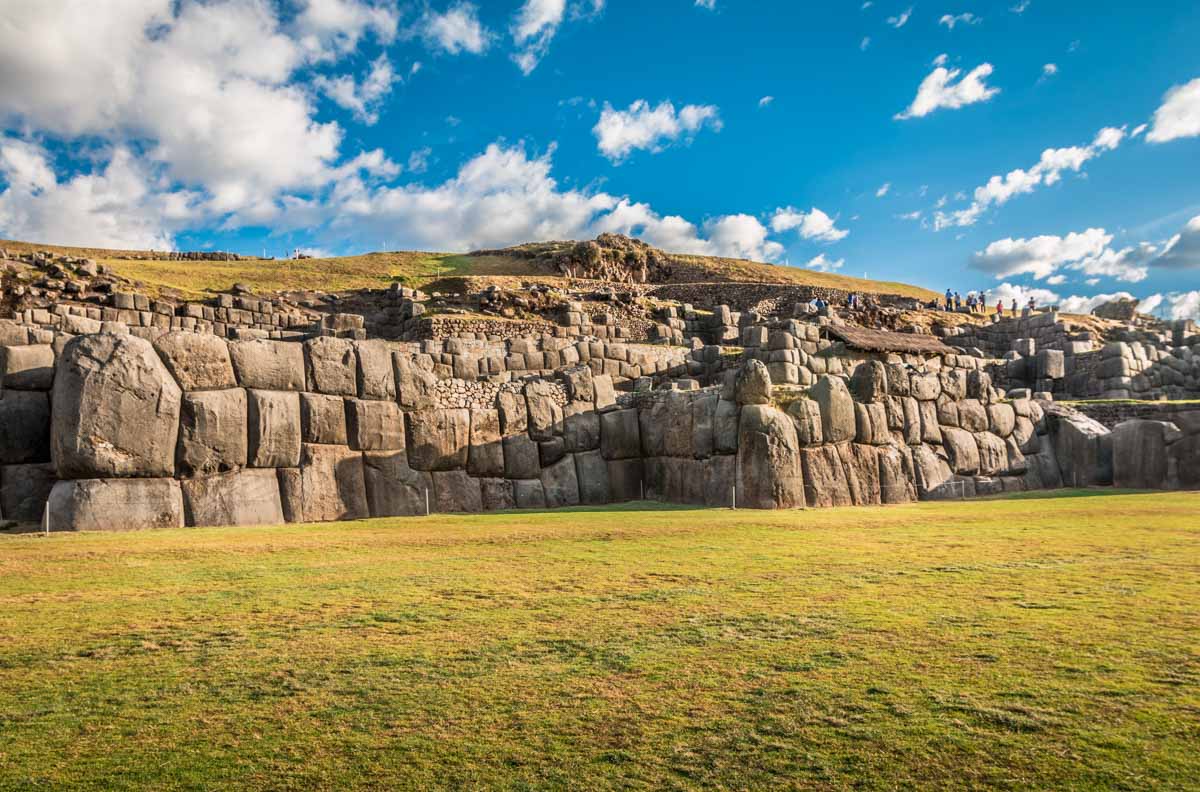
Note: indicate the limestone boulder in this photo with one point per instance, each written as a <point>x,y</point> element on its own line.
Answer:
<point>606,396</point>
<point>954,384</point>
<point>513,414</point>
<point>838,421</point>
<point>824,477</point>
<point>198,361</point>
<point>769,473</point>
<point>725,427</point>
<point>29,367</point>
<point>806,413</point>
<point>1183,463</point>
<point>972,416</point>
<point>931,473</point>
<point>1082,447</point>
<point>620,434</point>
<point>753,383</point>
<point>329,485</point>
<point>897,482</point>
<point>550,451</point>
<point>273,428</point>
<point>925,387</point>
<point>455,491</point>
<point>212,432</point>
<point>116,410</point>
<point>993,454</point>
<point>1002,419</point>
<point>665,426</point>
<point>24,490</point>
<point>243,497</point>
<point>961,450</point>
<point>393,488</point>
<point>416,386</point>
<point>869,382</point>
<point>521,457</point>
<point>496,494</point>
<point>323,419</point>
<point>485,458</point>
<point>591,471</point>
<point>438,439</point>
<point>872,423</point>
<point>121,504</point>
<point>931,428</point>
<point>376,377</point>
<point>545,414</point>
<point>862,472</point>
<point>704,414</point>
<point>581,431</point>
<point>528,494</point>
<point>1139,453</point>
<point>331,366</point>
<point>268,365</point>
<point>374,425</point>
<point>24,427</point>
<point>625,477</point>
<point>911,428</point>
<point>561,483</point>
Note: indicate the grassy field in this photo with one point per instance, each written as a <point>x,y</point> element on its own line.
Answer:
<point>1038,642</point>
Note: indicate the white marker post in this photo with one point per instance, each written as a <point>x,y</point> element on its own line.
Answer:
<point>46,519</point>
<point>733,498</point>
<point>427,501</point>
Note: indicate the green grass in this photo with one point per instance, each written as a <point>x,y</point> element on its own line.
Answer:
<point>1036,642</point>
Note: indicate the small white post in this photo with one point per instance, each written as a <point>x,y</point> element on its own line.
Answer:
<point>46,518</point>
<point>427,501</point>
<point>733,496</point>
<point>641,490</point>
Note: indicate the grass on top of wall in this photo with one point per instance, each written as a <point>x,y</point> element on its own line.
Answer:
<point>1036,642</point>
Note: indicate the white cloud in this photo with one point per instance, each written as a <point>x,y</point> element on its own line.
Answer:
<point>1040,256</point>
<point>967,18</point>
<point>1076,304</point>
<point>1020,7</point>
<point>1138,130</point>
<point>456,30</point>
<point>939,90</point>
<point>822,264</point>
<point>1022,294</point>
<point>1179,114</point>
<point>1048,171</point>
<point>533,29</point>
<point>883,189</point>
<point>901,19</point>
<point>709,4</point>
<point>620,132</point>
<point>866,42</point>
<point>1056,280</point>
<point>915,215</point>
<point>117,206</point>
<point>361,99</point>
<point>814,224</point>
<point>1183,249</point>
<point>766,100</point>
<point>329,27</point>
<point>418,160</point>
<point>741,236</point>
<point>1049,70</point>
<point>1183,305</point>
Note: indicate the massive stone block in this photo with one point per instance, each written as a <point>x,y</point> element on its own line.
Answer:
<point>665,426</point>
<point>329,485</point>
<point>872,423</point>
<point>993,454</point>
<point>581,431</point>
<point>455,491</point>
<point>1082,447</point>
<point>720,480</point>
<point>415,385</point>
<point>331,366</point>
<point>704,409</point>
<point>273,428</point>
<point>212,432</point>
<point>824,477</point>
<point>753,384</point>
<point>962,450</point>
<point>323,419</point>
<point>486,455</point>
<point>198,361</point>
<point>545,415</point>
<point>116,504</point>
<point>521,457</point>
<point>896,476</point>
<point>514,417</point>
<point>497,494</point>
<point>931,473</point>
<point>376,377</point>
<point>1183,463</point>
<point>561,483</point>
<point>438,439</point>
<point>972,416</point>
<point>869,383</point>
<point>625,479</point>
<point>1139,453</point>
<point>393,488</point>
<point>838,422</point>
<point>268,365</point>
<point>769,471</point>
<point>24,427</point>
<point>931,428</point>
<point>24,490</point>
<point>374,425</point>
<point>925,387</point>
<point>29,367</point>
<point>116,410</point>
<point>620,436</point>
<point>862,472</point>
<point>528,494</point>
<point>592,473</point>
<point>1001,419</point>
<point>244,497</point>
<point>725,427</point>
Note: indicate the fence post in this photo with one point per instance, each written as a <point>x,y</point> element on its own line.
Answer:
<point>733,499</point>
<point>427,501</point>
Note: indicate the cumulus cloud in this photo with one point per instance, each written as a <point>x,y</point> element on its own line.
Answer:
<point>1049,70</point>
<point>708,4</point>
<point>866,42</point>
<point>455,30</point>
<point>950,20</point>
<point>1183,249</point>
<point>362,99</point>
<point>883,189</point>
<point>813,224</point>
<point>822,264</point>
<point>901,19</point>
<point>1022,294</point>
<point>950,89</point>
<point>1179,114</point>
<point>1020,7</point>
<point>329,27</point>
<point>1040,256</point>
<point>766,100</point>
<point>620,132</point>
<point>533,29</point>
<point>1048,171</point>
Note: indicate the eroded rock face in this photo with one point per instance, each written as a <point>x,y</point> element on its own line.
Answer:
<point>332,366</point>
<point>838,420</point>
<point>438,439</point>
<point>376,375</point>
<point>1082,447</point>
<point>753,384</point>
<point>24,490</point>
<point>273,428</point>
<point>116,410</point>
<point>24,427</point>
<point>824,477</point>
<point>415,385</point>
<point>198,361</point>
<point>456,491</point>
<point>768,461</point>
<point>268,365</point>
<point>116,504</point>
<point>212,432</point>
<point>393,488</point>
<point>328,485</point>
<point>374,425</point>
<point>1139,452</point>
<point>561,483</point>
<point>29,367</point>
<point>243,497</point>
<point>486,455</point>
<point>869,383</point>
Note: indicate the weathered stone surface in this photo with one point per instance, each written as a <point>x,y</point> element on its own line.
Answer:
<point>993,454</point>
<point>753,384</point>
<point>243,497</point>
<point>545,416</point>
<point>486,455</point>
<point>1183,463</point>
<point>579,384</point>
<point>665,426</point>
<point>438,439</point>
<point>198,361</point>
<point>212,432</point>
<point>496,494</point>
<point>415,385</point>
<point>376,377</point>
<point>581,431</point>
<point>123,504</point>
<point>896,478</point>
<point>514,416</point>
<point>591,471</point>
<point>931,473</point>
<point>550,451</point>
<point>862,472</point>
<point>898,379</point>
<point>625,479</point>
<point>24,427</point>
<point>29,367</point>
<point>116,410</point>
<point>620,435</point>
<point>954,384</point>
<point>872,424</point>
<point>1051,364</point>
<point>606,397</point>
<point>1016,457</point>
<point>962,450</point>
<point>528,494</point>
<point>1082,447</point>
<point>455,491</point>
<point>947,411</point>
<point>979,386</point>
<point>869,382</point>
<point>521,457</point>
<point>972,416</point>
<point>925,387</point>
<point>911,428</point>
<point>331,366</point>
<point>268,365</point>
<point>1001,419</point>
<point>393,488</point>
<point>328,486</point>
<point>323,419</point>
<point>725,427</point>
<point>374,425</point>
<point>807,415</point>
<point>1139,453</point>
<point>273,434</point>
<point>838,422</point>
<point>24,490</point>
<point>931,429</point>
<point>561,483</point>
<point>719,480</point>
<point>768,460</point>
<point>824,477</point>
<point>704,408</point>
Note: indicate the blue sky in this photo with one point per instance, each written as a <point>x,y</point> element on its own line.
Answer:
<point>1038,147</point>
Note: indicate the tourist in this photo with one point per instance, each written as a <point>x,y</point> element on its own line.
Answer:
<point>1014,308</point>
<point>949,300</point>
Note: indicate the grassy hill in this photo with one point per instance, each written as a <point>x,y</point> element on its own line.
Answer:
<point>418,269</point>
<point>1042,642</point>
